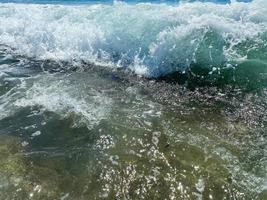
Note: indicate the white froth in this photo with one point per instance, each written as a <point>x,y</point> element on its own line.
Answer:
<point>150,39</point>
<point>57,96</point>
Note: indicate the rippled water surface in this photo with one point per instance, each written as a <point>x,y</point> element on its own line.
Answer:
<point>133,100</point>
<point>90,134</point>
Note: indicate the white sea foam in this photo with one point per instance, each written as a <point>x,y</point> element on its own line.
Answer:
<point>59,97</point>
<point>149,39</point>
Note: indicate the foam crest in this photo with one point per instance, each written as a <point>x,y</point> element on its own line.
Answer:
<point>150,39</point>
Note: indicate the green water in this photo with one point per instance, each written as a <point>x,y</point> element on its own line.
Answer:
<point>87,134</point>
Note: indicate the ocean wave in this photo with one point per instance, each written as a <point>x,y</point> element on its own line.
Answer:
<point>149,39</point>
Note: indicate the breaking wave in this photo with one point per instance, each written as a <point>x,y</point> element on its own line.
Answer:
<point>152,40</point>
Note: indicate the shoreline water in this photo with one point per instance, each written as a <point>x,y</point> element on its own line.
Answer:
<point>169,113</point>
<point>75,128</point>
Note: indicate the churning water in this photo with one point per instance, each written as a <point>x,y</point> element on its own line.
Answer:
<point>90,107</point>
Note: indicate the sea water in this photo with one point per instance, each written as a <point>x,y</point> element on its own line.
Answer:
<point>92,105</point>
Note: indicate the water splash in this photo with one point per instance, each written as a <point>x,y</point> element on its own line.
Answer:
<point>150,39</point>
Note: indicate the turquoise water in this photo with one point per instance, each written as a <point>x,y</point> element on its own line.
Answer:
<point>151,40</point>
<point>133,100</point>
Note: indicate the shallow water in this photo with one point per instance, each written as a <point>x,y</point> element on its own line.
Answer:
<point>92,134</point>
<point>91,105</point>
